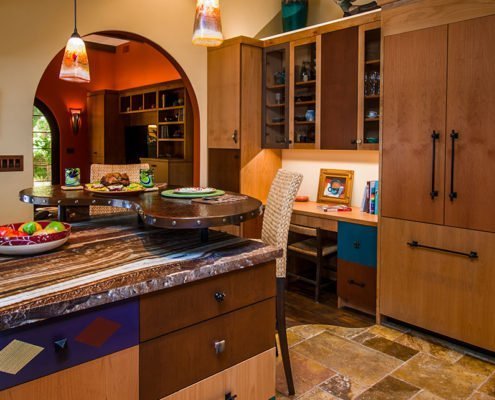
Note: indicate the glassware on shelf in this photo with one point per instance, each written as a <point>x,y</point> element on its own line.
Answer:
<point>372,83</point>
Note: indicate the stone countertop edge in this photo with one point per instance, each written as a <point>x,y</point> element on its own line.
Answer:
<point>95,294</point>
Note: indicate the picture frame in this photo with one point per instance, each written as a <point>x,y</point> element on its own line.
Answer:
<point>335,186</point>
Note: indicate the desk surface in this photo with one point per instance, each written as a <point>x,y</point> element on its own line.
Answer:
<point>356,216</point>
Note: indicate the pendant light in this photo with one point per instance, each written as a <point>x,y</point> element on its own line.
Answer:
<point>207,24</point>
<point>75,65</point>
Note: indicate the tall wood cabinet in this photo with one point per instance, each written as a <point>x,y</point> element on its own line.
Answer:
<point>236,160</point>
<point>437,226</point>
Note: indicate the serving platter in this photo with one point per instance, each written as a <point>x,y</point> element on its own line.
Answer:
<point>195,190</point>
<point>172,194</point>
<point>89,188</point>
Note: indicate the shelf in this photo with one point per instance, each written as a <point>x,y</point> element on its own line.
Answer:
<point>304,145</point>
<point>372,119</point>
<point>171,108</point>
<point>374,96</point>
<point>275,105</point>
<point>275,123</point>
<point>138,111</point>
<point>171,123</point>
<point>371,62</point>
<point>304,103</point>
<point>306,83</point>
<point>274,87</point>
<point>304,122</point>
<point>171,139</point>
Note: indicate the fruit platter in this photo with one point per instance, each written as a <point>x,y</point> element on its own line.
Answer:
<point>33,237</point>
<point>114,184</point>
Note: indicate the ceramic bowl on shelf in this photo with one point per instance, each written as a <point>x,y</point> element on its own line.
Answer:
<point>19,244</point>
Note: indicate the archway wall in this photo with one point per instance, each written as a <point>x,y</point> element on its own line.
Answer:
<point>32,32</point>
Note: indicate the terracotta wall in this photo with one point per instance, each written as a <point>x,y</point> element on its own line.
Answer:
<point>133,65</point>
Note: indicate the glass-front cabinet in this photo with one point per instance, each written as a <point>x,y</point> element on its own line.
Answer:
<point>276,97</point>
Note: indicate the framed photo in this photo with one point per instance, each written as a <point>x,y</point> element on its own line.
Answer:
<point>335,186</point>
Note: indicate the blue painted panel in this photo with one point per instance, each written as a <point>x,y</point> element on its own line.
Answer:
<point>106,330</point>
<point>357,243</point>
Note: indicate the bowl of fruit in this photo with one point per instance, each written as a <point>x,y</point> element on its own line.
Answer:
<point>32,237</point>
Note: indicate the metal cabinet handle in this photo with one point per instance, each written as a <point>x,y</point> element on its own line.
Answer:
<point>471,255</point>
<point>356,244</point>
<point>453,194</point>
<point>235,136</point>
<point>359,284</point>
<point>219,296</point>
<point>219,346</point>
<point>230,396</point>
<point>356,141</point>
<point>434,136</point>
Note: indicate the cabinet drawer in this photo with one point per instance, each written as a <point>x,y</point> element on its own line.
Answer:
<point>251,379</point>
<point>357,243</point>
<point>176,308</point>
<point>179,359</point>
<point>356,286</point>
<point>443,292</point>
<point>87,336</point>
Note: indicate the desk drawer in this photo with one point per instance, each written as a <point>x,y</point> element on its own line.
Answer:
<point>357,243</point>
<point>176,308</point>
<point>356,286</point>
<point>179,359</point>
<point>81,337</point>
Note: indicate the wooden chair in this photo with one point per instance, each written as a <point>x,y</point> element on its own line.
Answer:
<point>275,231</point>
<point>313,248</point>
<point>99,170</point>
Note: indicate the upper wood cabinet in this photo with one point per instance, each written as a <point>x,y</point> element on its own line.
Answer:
<point>438,147</point>
<point>414,105</point>
<point>224,97</point>
<point>470,157</point>
<point>339,89</point>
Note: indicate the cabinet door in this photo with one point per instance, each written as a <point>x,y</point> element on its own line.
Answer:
<point>96,128</point>
<point>339,82</point>
<point>471,115</point>
<point>444,292</point>
<point>414,103</point>
<point>224,74</point>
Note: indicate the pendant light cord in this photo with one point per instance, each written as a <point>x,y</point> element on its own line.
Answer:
<point>75,16</point>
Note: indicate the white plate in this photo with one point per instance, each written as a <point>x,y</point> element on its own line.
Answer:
<point>195,190</point>
<point>31,249</point>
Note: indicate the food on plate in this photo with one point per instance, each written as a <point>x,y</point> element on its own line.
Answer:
<point>30,227</point>
<point>5,231</point>
<point>115,178</point>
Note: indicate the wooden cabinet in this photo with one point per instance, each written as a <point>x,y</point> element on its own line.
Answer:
<point>470,157</point>
<point>106,137</point>
<point>251,379</point>
<point>444,292</point>
<point>339,77</point>
<point>224,94</point>
<point>414,103</point>
<point>173,172</point>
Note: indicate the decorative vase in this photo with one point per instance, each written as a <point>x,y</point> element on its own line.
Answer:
<point>294,14</point>
<point>72,177</point>
<point>146,178</point>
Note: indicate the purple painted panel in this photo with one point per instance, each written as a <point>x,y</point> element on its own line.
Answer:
<point>74,339</point>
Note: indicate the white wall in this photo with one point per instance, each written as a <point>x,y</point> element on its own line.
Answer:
<point>309,162</point>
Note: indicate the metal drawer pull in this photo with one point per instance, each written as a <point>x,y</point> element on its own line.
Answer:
<point>219,346</point>
<point>353,282</point>
<point>220,296</point>
<point>471,255</point>
<point>434,193</point>
<point>356,244</point>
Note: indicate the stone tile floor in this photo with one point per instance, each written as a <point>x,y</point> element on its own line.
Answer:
<point>380,363</point>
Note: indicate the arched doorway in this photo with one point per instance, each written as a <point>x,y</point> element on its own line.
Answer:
<point>46,151</point>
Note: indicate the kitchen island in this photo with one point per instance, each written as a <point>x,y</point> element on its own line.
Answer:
<point>124,311</point>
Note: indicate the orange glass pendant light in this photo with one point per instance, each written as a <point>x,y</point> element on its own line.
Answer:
<point>207,24</point>
<point>75,65</point>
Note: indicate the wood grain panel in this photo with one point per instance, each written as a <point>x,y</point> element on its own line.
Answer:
<point>414,102</point>
<point>339,74</point>
<point>356,286</point>
<point>224,169</point>
<point>175,361</point>
<point>421,14</point>
<point>224,96</point>
<point>114,377</point>
<point>445,293</point>
<point>314,222</point>
<point>251,379</point>
<point>471,113</point>
<point>173,309</point>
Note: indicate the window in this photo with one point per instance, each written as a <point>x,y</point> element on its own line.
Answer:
<point>42,149</point>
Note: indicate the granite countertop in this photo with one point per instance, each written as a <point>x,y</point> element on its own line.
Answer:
<point>112,259</point>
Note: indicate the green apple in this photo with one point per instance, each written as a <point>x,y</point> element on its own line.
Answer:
<point>55,226</point>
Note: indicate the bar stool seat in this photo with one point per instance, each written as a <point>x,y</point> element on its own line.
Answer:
<point>309,247</point>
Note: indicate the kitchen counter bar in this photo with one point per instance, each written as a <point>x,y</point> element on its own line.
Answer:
<point>112,259</point>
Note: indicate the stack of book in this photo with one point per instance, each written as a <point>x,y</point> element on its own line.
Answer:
<point>370,198</point>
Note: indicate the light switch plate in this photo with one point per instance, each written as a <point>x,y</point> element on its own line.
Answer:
<point>11,163</point>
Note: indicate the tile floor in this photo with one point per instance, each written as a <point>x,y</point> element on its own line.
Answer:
<point>380,363</point>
